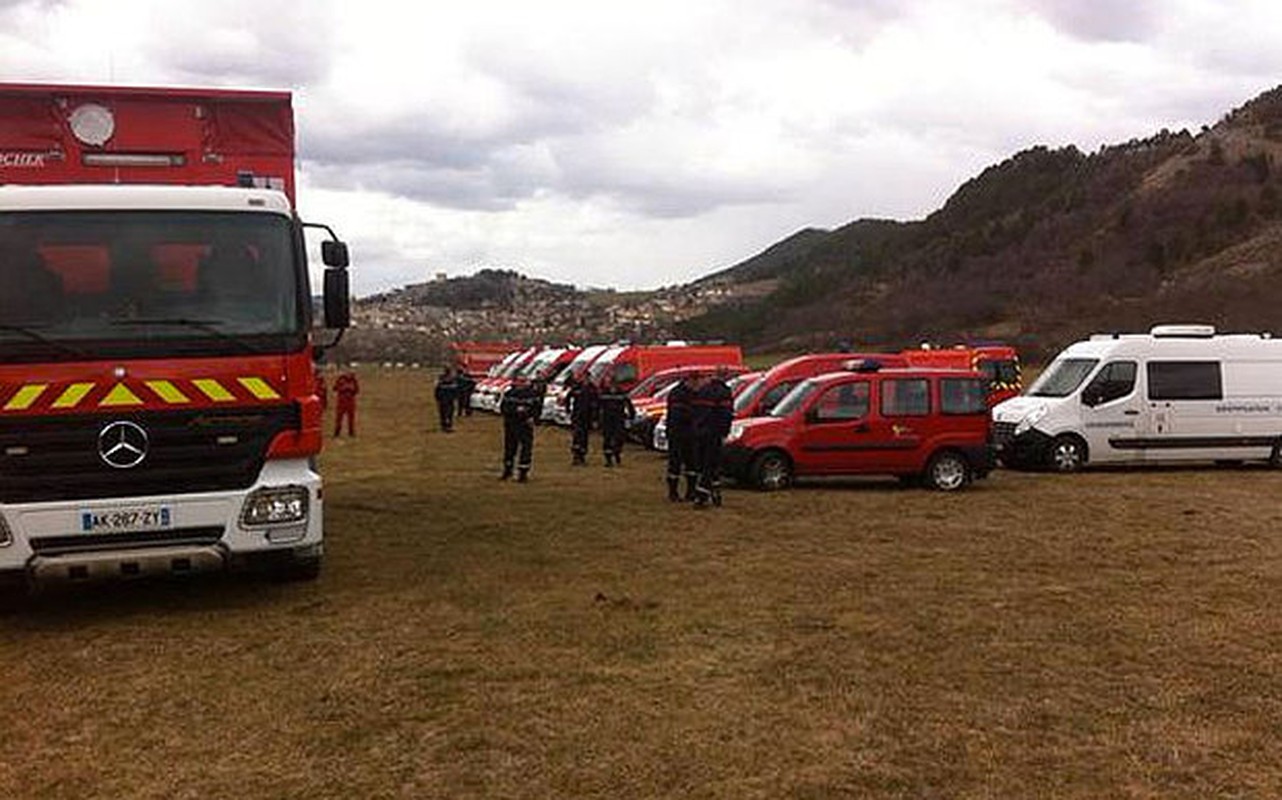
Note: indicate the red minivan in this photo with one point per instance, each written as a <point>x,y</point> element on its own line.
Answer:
<point>760,396</point>
<point>926,426</point>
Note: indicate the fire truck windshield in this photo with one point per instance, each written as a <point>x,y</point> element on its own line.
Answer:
<point>122,284</point>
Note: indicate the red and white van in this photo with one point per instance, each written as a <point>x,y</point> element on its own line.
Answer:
<point>922,425</point>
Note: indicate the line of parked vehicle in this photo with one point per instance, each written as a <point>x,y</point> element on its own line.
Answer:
<point>946,416</point>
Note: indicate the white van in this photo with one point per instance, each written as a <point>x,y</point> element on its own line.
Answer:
<point>1177,393</point>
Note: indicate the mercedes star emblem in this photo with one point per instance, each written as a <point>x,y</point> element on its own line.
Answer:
<point>122,445</point>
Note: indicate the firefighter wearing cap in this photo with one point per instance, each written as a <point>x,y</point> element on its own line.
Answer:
<point>679,413</point>
<point>713,413</point>
<point>520,407</point>
<point>581,400</point>
<point>346,387</point>
<point>615,411</point>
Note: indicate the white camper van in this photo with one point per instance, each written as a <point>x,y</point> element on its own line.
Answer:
<point>1177,393</point>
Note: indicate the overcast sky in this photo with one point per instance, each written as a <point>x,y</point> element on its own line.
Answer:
<point>639,144</point>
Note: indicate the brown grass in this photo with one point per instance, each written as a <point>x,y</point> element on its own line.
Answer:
<point>1104,635</point>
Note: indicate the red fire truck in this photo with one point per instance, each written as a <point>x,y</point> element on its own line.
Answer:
<point>157,404</point>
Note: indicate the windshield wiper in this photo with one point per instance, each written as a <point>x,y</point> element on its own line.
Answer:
<point>206,325</point>
<point>35,336</point>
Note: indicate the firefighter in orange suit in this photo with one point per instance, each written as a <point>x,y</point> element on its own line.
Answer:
<point>346,387</point>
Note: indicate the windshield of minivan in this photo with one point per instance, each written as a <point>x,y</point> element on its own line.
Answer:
<point>1062,377</point>
<point>748,396</point>
<point>794,399</point>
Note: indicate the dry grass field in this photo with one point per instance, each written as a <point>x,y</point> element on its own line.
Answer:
<point>1111,634</point>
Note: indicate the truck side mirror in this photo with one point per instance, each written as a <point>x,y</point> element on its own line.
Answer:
<point>1091,397</point>
<point>334,254</point>
<point>338,298</point>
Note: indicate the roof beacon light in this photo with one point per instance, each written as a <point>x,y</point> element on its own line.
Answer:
<point>133,160</point>
<point>863,365</point>
<point>1183,331</point>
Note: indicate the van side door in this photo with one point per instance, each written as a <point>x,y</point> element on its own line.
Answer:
<point>835,435</point>
<point>1114,415</point>
<point>1183,396</point>
<point>904,423</point>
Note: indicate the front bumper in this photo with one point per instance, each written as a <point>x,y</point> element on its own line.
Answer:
<point>1030,448</point>
<point>205,532</point>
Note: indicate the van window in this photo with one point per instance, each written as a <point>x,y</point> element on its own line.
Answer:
<point>1115,381</point>
<point>847,401</point>
<point>794,399</point>
<point>962,396</point>
<point>1184,380</point>
<point>905,397</point>
<point>625,372</point>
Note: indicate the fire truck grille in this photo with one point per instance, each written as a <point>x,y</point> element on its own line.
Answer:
<point>60,458</point>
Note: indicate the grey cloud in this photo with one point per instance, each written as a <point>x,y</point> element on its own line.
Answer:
<point>287,47</point>
<point>1102,20</point>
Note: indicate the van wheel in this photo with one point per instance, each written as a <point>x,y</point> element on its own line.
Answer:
<point>1067,454</point>
<point>947,472</point>
<point>771,471</point>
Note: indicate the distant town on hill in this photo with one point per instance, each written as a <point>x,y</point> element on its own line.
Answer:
<point>1039,250</point>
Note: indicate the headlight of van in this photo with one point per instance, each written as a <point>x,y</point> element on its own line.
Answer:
<point>1030,419</point>
<point>736,432</point>
<point>277,506</point>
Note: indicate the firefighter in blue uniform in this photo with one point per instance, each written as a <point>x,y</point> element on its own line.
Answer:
<point>582,402</point>
<point>679,414</point>
<point>615,411</point>
<point>520,407</point>
<point>713,407</point>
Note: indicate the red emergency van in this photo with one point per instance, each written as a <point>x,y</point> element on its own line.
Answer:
<point>757,398</point>
<point>631,364</point>
<point>922,425</point>
<point>999,364</point>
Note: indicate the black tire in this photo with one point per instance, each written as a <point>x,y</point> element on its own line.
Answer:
<point>771,471</point>
<point>1067,454</point>
<point>947,471</point>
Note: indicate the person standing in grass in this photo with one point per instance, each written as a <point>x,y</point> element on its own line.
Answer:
<point>346,387</point>
<point>582,400</point>
<point>466,383</point>
<point>680,439</point>
<point>520,407</point>
<point>615,409</point>
<point>713,413</point>
<point>446,393</point>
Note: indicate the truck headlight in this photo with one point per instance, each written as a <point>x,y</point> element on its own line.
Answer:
<point>1030,419</point>
<point>6,535</point>
<point>277,506</point>
<point>736,432</point>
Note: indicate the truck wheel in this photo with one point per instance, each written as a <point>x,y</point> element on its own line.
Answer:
<point>772,471</point>
<point>947,472</point>
<point>1067,454</point>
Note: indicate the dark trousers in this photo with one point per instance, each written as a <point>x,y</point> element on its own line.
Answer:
<point>579,428</point>
<point>612,438</point>
<point>681,461</point>
<point>708,457</point>
<point>517,435</point>
<point>465,404</point>
<point>446,410</point>
<point>347,412</point>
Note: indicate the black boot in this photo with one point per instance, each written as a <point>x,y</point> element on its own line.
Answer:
<point>507,473</point>
<point>673,495</point>
<point>522,476</point>
<point>692,488</point>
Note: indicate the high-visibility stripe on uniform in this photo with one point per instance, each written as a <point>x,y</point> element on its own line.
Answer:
<point>213,390</point>
<point>25,397</point>
<point>168,392</point>
<point>259,388</point>
<point>72,395</point>
<point>120,395</point>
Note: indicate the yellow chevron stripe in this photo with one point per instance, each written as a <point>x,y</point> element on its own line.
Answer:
<point>120,395</point>
<point>72,395</point>
<point>25,397</point>
<point>259,388</point>
<point>168,392</point>
<point>213,390</point>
